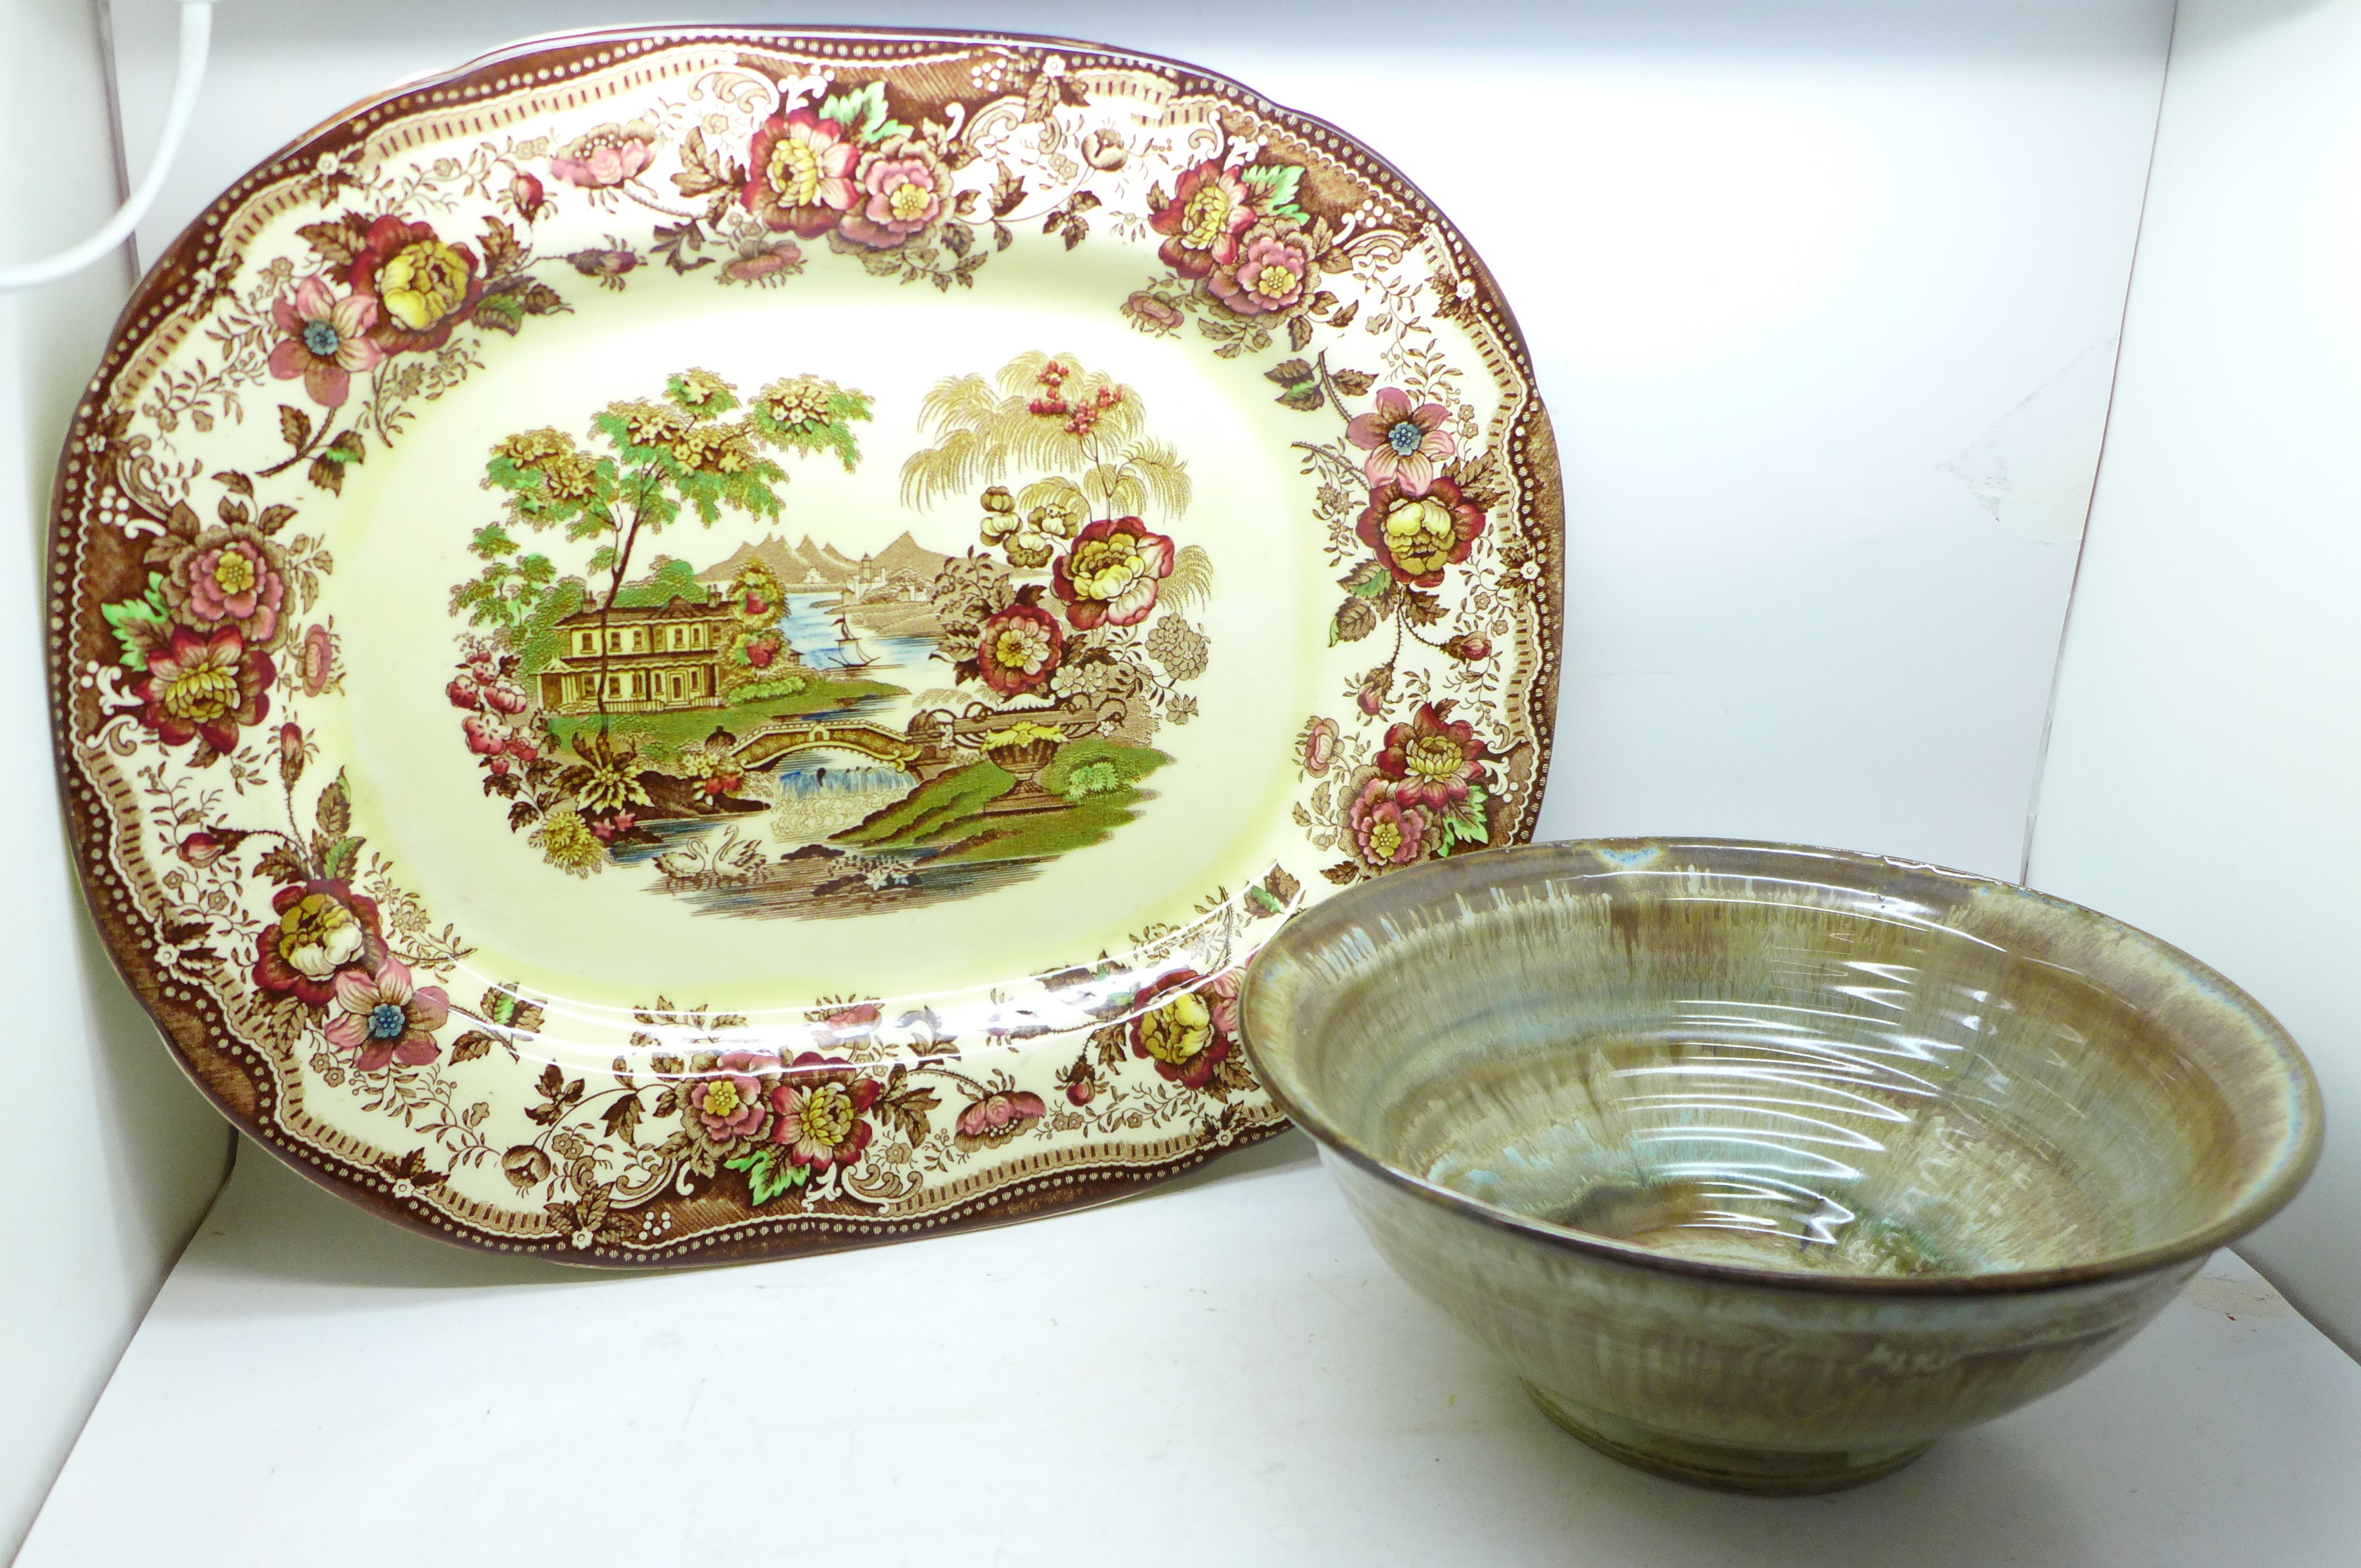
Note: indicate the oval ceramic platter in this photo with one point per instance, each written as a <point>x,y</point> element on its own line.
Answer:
<point>698,644</point>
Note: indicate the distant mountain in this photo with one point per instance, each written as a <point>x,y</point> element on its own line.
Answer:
<point>811,563</point>
<point>790,564</point>
<point>906,554</point>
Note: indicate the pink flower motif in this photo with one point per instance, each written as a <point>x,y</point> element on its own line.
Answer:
<point>386,1018</point>
<point>1272,274</point>
<point>1470,649</point>
<point>1222,997</point>
<point>199,688</point>
<point>527,194</point>
<point>1211,207</point>
<point>1019,648</point>
<point>232,582</point>
<point>799,178</point>
<point>325,929</point>
<point>734,1104</point>
<point>1404,444</point>
<point>486,736</point>
<point>326,339</point>
<point>842,1025</point>
<point>1156,316</point>
<point>998,1118</point>
<point>422,288</point>
<point>1110,572</point>
<point>899,191</point>
<point>1319,746</point>
<point>464,691</point>
<point>823,1112</point>
<point>1434,759</point>
<point>504,697</point>
<point>204,847</point>
<point>1388,831</point>
<point>1415,537</point>
<point>763,265</point>
<point>318,660</point>
<point>605,155</point>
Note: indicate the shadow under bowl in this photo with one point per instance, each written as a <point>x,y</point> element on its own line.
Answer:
<point>1766,1166</point>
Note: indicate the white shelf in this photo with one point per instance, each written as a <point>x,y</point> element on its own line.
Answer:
<point>1221,1371</point>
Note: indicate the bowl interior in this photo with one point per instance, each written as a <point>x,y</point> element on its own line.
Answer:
<point>1776,1058</point>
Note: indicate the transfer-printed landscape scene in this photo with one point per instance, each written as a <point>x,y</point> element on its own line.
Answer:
<point>653,678</point>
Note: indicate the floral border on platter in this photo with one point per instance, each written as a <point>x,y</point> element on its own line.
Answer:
<point>184,651</point>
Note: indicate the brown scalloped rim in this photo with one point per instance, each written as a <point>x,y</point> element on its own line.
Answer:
<point>234,1073</point>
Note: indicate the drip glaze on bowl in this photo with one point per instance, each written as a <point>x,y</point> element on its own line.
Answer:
<point>1766,1165</point>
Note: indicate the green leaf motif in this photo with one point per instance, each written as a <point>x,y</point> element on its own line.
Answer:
<point>863,115</point>
<point>1275,186</point>
<point>1355,619</point>
<point>769,1173</point>
<point>140,625</point>
<point>335,807</point>
<point>1464,823</point>
<point>338,861</point>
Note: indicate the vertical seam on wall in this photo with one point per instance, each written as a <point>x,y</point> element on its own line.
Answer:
<point>2106,433</point>
<point>109,72</point>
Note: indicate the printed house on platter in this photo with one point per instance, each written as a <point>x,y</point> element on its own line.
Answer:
<point>656,657</point>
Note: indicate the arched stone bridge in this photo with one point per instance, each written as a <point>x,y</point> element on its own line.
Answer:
<point>781,736</point>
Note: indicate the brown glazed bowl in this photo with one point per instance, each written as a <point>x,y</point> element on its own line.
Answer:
<point>1764,1166</point>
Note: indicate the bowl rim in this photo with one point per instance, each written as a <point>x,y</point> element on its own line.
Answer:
<point>2295,1157</point>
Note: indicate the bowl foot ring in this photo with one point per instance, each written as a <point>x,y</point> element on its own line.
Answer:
<point>1762,1471</point>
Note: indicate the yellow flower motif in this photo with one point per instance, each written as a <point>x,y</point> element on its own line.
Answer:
<point>529,448</point>
<point>567,843</point>
<point>566,475</point>
<point>1177,1032</point>
<point>1422,534</point>
<point>570,477</point>
<point>800,400</point>
<point>234,571</point>
<point>1022,644</point>
<point>716,449</point>
<point>422,283</point>
<point>827,1115</point>
<point>318,935</point>
<point>202,694</point>
<point>649,425</point>
<point>696,388</point>
<point>1107,568</point>
<point>1206,218</point>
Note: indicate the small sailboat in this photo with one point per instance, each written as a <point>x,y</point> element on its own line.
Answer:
<point>850,653</point>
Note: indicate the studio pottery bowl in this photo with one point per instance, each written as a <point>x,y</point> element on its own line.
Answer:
<point>1765,1166</point>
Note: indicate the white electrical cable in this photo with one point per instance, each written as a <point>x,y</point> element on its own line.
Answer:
<point>197,33</point>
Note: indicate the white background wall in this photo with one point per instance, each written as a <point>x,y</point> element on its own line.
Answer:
<point>1822,294</point>
<point>110,1156</point>
<point>2205,779</point>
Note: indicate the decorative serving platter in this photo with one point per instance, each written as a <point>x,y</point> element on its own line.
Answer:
<point>688,643</point>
